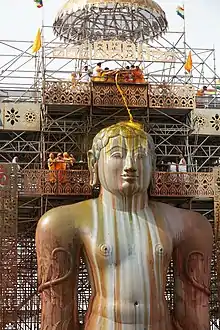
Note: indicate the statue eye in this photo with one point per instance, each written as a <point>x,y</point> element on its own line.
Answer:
<point>141,155</point>
<point>116,155</point>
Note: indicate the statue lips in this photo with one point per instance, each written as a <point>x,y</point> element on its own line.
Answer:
<point>129,178</point>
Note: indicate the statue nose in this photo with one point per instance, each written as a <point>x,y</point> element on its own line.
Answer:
<point>130,165</point>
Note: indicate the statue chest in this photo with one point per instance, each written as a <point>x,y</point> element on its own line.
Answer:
<point>119,238</point>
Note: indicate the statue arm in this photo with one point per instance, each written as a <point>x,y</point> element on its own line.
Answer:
<point>192,262</point>
<point>58,258</point>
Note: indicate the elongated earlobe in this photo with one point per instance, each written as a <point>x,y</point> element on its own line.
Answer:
<point>93,168</point>
<point>95,175</point>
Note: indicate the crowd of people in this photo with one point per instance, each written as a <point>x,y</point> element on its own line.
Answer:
<point>60,162</point>
<point>63,161</point>
<point>129,74</point>
<point>179,166</point>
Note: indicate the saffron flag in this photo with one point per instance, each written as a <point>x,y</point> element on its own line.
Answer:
<point>37,42</point>
<point>39,3</point>
<point>180,12</point>
<point>188,64</point>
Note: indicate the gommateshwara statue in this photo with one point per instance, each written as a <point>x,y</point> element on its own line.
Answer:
<point>127,241</point>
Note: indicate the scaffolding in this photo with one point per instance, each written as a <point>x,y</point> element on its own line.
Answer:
<point>69,124</point>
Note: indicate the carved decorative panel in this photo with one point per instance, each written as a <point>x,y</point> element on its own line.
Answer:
<point>183,184</point>
<point>20,116</point>
<point>8,243</point>
<point>76,182</point>
<point>47,182</point>
<point>64,92</point>
<point>171,96</point>
<point>105,94</point>
<point>216,174</point>
<point>114,49</point>
<point>206,121</point>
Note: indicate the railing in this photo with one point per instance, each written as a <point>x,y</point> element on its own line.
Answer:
<point>64,92</point>
<point>76,183</point>
<point>45,182</point>
<point>171,96</point>
<point>105,94</point>
<point>208,101</point>
<point>190,184</point>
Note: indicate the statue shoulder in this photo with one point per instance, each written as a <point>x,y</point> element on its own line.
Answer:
<point>197,232</point>
<point>198,224</point>
<point>67,216</point>
<point>184,224</point>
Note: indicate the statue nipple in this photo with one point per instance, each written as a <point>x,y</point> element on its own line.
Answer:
<point>105,249</point>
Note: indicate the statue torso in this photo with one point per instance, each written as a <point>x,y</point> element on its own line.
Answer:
<point>128,255</point>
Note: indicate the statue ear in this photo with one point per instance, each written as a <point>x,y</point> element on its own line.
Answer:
<point>152,184</point>
<point>93,168</point>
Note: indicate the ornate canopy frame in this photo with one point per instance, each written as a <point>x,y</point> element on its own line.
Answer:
<point>137,21</point>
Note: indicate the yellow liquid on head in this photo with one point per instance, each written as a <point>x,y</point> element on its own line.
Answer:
<point>135,125</point>
<point>126,129</point>
<point>123,130</point>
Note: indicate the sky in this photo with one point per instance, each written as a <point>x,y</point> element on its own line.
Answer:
<point>21,19</point>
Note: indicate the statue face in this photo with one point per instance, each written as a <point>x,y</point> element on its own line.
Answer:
<point>124,166</point>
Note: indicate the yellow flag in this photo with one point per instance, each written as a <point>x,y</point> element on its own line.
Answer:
<point>188,64</point>
<point>37,42</point>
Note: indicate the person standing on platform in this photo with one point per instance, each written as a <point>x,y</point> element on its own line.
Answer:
<point>68,161</point>
<point>182,164</point>
<point>97,72</point>
<point>138,76</point>
<point>15,161</point>
<point>51,162</point>
<point>85,77</point>
<point>60,167</point>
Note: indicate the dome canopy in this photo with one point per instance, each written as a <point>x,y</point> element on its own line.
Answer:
<point>90,20</point>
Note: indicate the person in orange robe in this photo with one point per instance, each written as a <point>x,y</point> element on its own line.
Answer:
<point>51,162</point>
<point>68,160</point>
<point>60,167</point>
<point>138,76</point>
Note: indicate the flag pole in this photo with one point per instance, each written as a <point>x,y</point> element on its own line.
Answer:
<point>42,77</point>
<point>184,31</point>
<point>42,40</point>
<point>184,40</point>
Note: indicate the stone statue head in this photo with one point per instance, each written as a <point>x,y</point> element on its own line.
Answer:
<point>122,159</point>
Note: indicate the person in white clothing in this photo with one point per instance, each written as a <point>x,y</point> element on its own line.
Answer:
<point>15,161</point>
<point>97,72</point>
<point>85,75</point>
<point>182,164</point>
